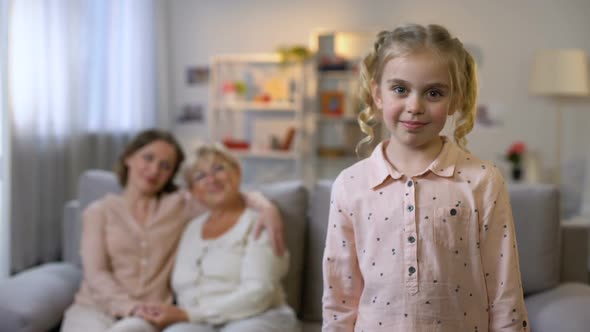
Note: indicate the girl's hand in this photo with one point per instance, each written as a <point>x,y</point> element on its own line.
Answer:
<point>161,315</point>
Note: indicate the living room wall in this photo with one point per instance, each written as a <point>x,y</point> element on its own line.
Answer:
<point>504,34</point>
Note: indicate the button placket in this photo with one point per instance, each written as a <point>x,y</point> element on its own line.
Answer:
<point>410,251</point>
<point>143,261</point>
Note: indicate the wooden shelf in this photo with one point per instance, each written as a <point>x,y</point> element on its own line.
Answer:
<point>336,118</point>
<point>264,154</point>
<point>577,222</point>
<point>337,74</point>
<point>251,106</point>
<point>270,58</point>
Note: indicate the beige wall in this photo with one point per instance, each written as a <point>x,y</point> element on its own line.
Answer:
<point>506,32</point>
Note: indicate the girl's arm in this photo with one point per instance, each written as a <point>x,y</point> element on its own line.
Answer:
<point>343,281</point>
<point>499,255</point>
<point>260,279</point>
<point>98,273</point>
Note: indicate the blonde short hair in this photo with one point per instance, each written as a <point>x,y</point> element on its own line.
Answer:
<point>207,151</point>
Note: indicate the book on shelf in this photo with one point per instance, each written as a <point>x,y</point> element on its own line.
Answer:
<point>332,103</point>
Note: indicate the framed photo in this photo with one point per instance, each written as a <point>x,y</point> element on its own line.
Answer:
<point>197,75</point>
<point>191,113</point>
<point>332,103</point>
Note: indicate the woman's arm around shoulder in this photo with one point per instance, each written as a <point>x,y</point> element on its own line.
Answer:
<point>270,220</point>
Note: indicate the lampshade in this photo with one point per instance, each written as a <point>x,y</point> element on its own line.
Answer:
<point>561,72</point>
<point>350,45</point>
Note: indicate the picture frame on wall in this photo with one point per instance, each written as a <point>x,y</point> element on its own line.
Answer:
<point>332,103</point>
<point>197,75</point>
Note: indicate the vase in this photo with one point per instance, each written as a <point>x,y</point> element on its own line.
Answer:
<point>516,173</point>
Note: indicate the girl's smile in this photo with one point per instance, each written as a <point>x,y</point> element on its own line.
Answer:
<point>414,97</point>
<point>413,125</point>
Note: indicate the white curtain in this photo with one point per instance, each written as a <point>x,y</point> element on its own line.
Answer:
<point>4,214</point>
<point>82,80</point>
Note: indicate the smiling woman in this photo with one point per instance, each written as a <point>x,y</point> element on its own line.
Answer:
<point>236,275</point>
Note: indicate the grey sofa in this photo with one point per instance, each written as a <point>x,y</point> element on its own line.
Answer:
<point>34,300</point>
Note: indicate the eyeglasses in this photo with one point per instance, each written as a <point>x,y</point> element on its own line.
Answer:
<point>216,170</point>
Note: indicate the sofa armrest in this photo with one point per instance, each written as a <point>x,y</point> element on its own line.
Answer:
<point>71,229</point>
<point>36,299</point>
<point>563,308</point>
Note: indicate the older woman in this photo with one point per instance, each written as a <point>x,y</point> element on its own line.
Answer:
<point>224,278</point>
<point>129,240</point>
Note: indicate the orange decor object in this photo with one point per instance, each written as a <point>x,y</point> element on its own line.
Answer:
<point>332,103</point>
<point>236,144</point>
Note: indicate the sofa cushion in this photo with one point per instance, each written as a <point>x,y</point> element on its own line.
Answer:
<point>94,184</point>
<point>71,230</point>
<point>36,299</point>
<point>291,199</point>
<point>536,219</point>
<point>564,308</point>
<point>315,239</point>
<point>11,322</point>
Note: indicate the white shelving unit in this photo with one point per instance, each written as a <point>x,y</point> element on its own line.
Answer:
<point>254,97</point>
<point>338,134</point>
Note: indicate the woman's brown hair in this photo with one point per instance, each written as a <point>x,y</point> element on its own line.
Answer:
<point>139,141</point>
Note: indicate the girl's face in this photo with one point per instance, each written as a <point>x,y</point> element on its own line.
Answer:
<point>414,97</point>
<point>150,167</point>
<point>215,181</point>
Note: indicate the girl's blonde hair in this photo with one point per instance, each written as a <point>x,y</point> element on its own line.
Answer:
<point>404,41</point>
<point>207,151</point>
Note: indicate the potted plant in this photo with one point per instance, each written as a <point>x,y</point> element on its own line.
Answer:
<point>515,156</point>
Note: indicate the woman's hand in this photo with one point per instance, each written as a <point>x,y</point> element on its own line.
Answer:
<point>160,315</point>
<point>270,219</point>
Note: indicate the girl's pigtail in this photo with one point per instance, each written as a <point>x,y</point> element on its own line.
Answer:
<point>368,117</point>
<point>467,108</point>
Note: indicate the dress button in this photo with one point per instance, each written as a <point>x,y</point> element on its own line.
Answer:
<point>410,183</point>
<point>453,212</point>
<point>410,208</point>
<point>411,239</point>
<point>143,262</point>
<point>412,270</point>
<point>143,244</point>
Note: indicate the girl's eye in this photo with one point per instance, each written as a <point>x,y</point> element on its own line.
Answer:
<point>148,157</point>
<point>398,89</point>
<point>434,93</point>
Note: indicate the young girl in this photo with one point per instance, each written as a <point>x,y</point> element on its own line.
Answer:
<point>420,234</point>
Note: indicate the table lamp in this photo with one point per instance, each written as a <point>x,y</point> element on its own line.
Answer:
<point>560,73</point>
